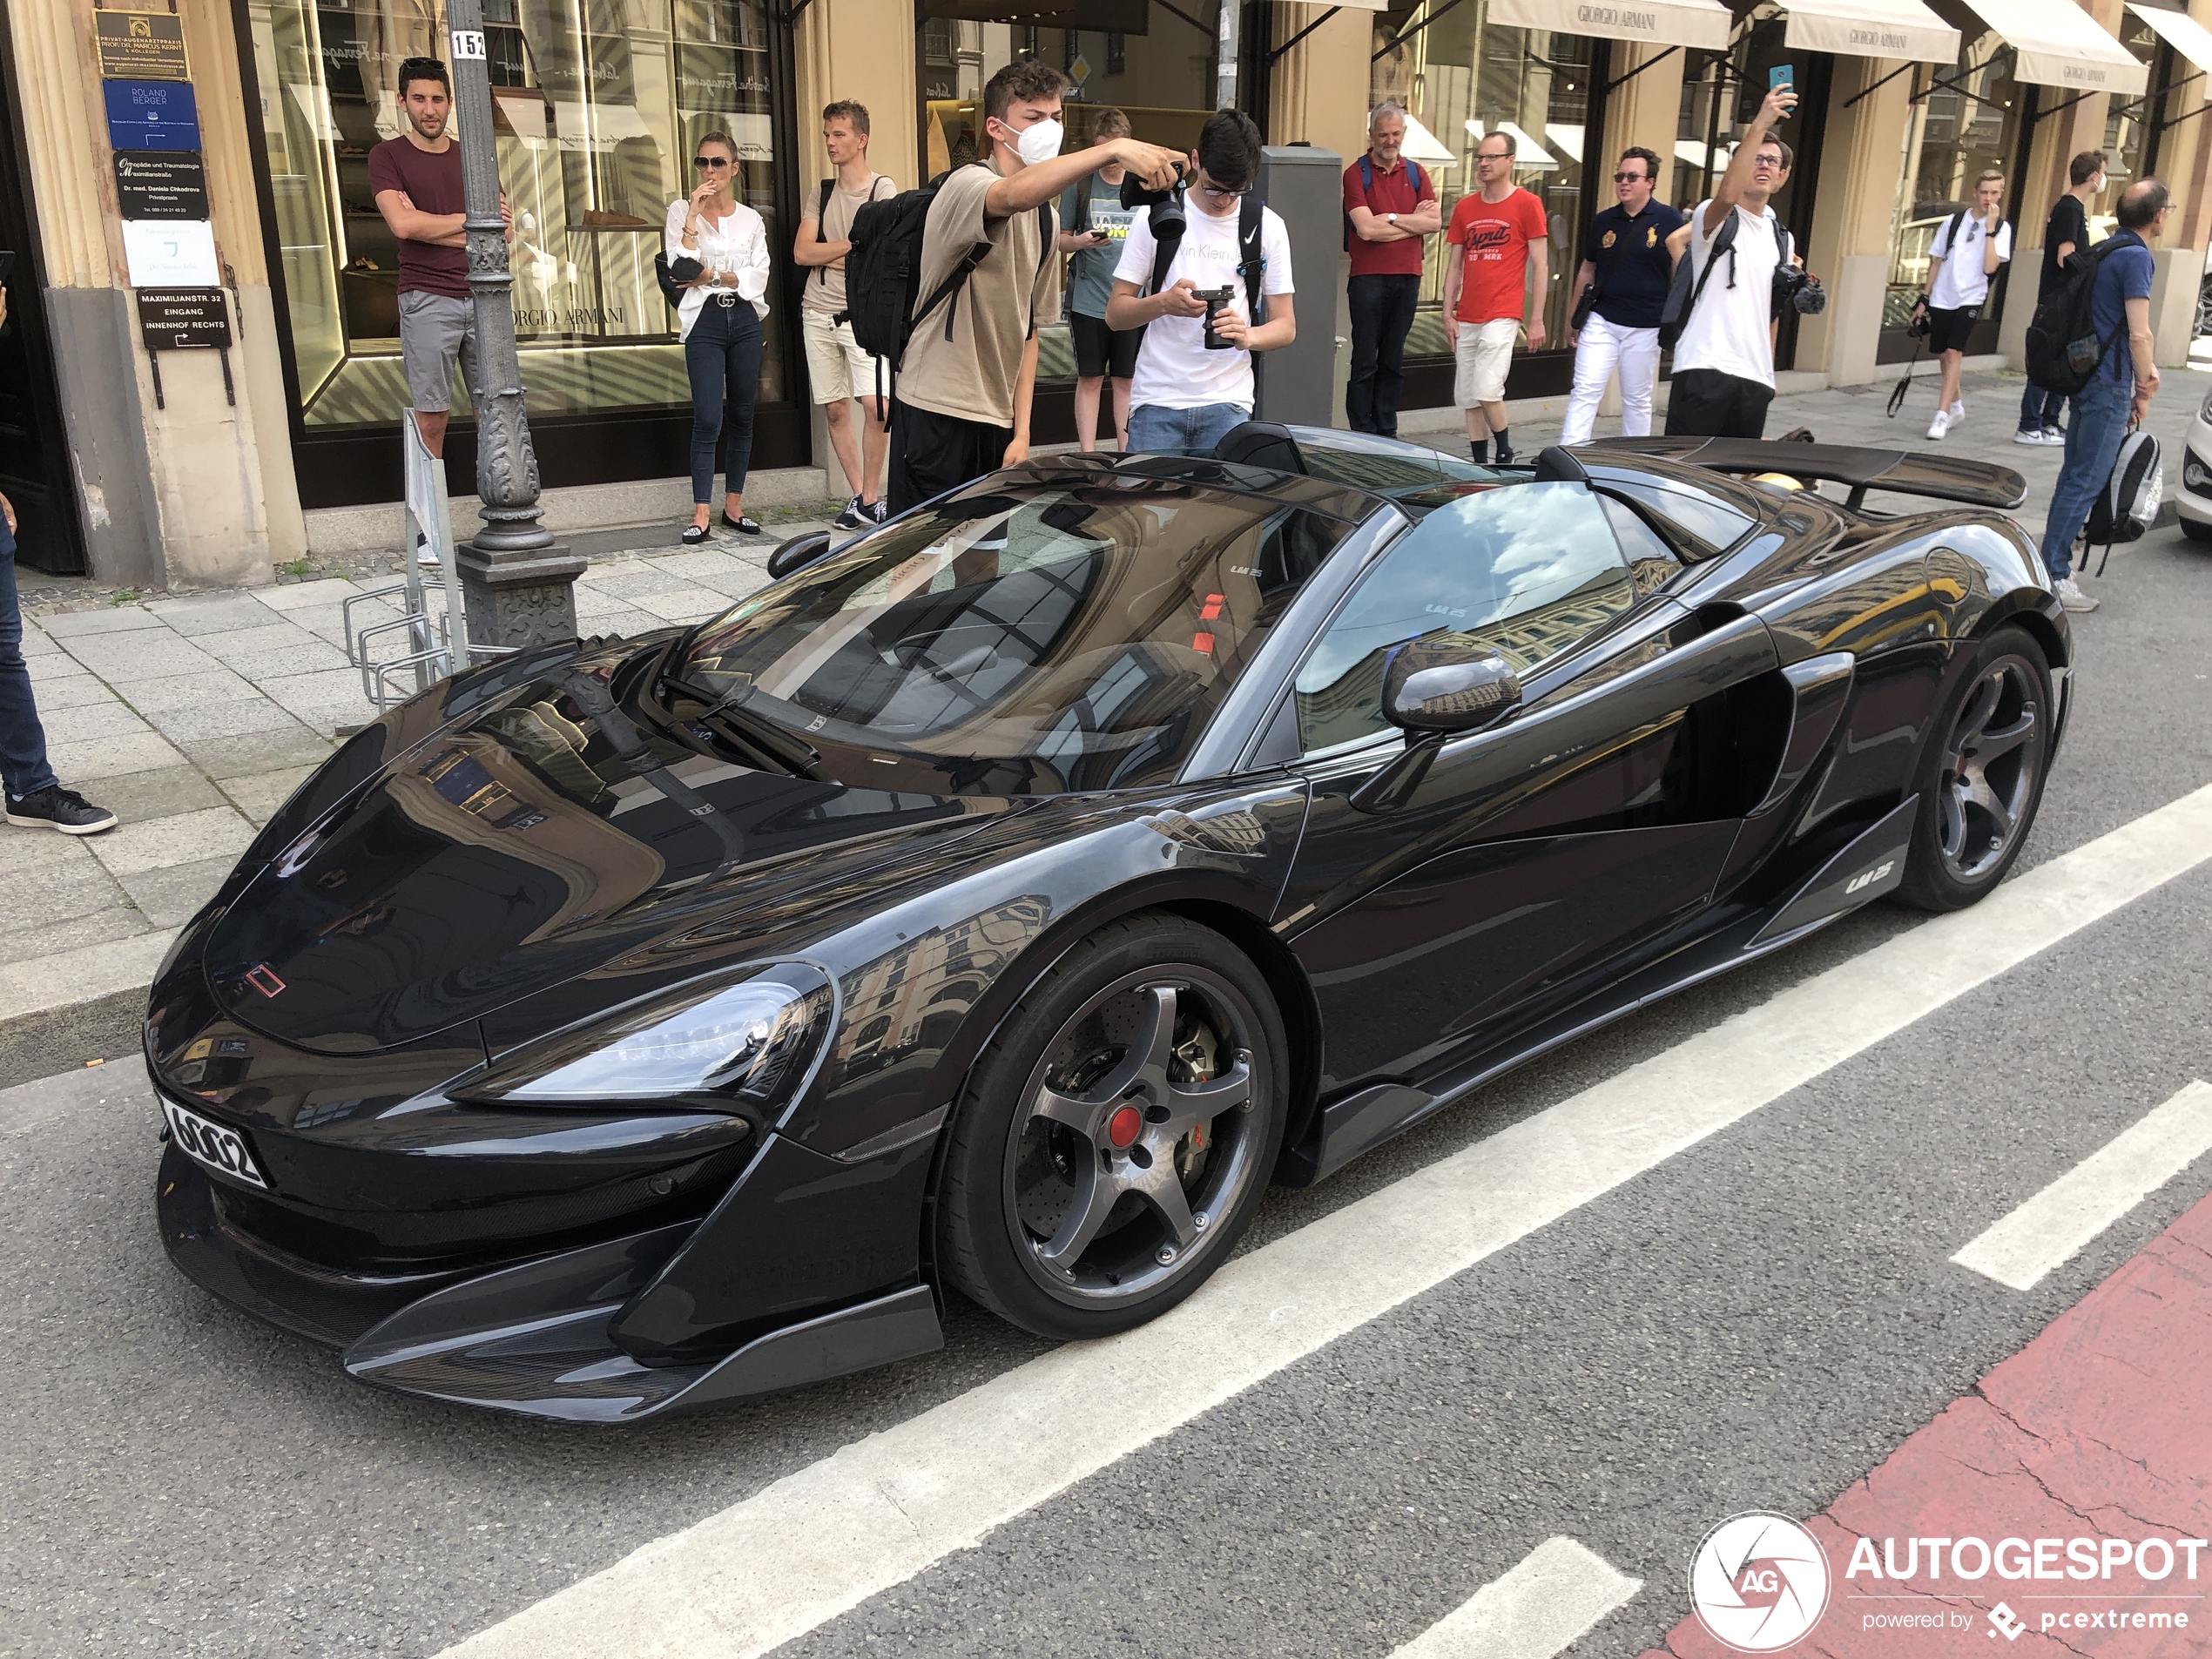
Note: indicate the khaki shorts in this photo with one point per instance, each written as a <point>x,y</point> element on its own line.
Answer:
<point>434,329</point>
<point>1485,354</point>
<point>837,368</point>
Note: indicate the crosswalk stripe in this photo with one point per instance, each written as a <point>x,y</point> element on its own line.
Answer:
<point>823,1540</point>
<point>1557,1592</point>
<point>2061,1219</point>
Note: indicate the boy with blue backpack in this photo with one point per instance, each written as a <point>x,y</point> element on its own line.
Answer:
<point>1390,210</point>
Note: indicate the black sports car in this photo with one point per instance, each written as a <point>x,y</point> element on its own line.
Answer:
<point>1000,901</point>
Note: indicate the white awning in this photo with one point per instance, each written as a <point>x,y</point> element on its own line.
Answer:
<point>1655,22</point>
<point>1425,146</point>
<point>1902,28</point>
<point>2060,44</point>
<point>1566,136</point>
<point>2181,32</point>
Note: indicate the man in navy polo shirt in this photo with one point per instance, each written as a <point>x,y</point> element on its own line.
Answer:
<point>1390,210</point>
<point>1627,259</point>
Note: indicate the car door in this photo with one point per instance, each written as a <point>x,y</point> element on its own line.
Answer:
<point>1596,818</point>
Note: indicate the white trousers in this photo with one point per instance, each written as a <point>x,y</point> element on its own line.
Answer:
<point>1604,346</point>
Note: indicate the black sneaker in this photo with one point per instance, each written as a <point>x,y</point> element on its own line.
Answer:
<point>54,807</point>
<point>878,511</point>
<point>853,517</point>
<point>1505,456</point>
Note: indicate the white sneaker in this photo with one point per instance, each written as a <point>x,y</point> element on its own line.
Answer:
<point>2034,437</point>
<point>1957,411</point>
<point>1940,425</point>
<point>2054,436</point>
<point>2072,597</point>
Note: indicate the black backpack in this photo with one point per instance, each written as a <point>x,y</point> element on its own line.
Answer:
<point>883,272</point>
<point>1251,259</point>
<point>2063,346</point>
<point>1683,295</point>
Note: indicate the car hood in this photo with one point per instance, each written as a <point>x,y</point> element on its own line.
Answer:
<point>532,841</point>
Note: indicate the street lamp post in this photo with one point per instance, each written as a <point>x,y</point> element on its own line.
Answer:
<point>518,584</point>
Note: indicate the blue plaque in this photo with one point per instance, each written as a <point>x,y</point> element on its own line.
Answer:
<point>152,115</point>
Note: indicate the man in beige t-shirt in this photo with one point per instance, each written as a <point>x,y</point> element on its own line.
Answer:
<point>836,367</point>
<point>962,408</point>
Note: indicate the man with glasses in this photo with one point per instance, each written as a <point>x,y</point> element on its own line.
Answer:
<point>1499,267</point>
<point>1629,266</point>
<point>1723,375</point>
<point>1188,394</point>
<point>1390,212</point>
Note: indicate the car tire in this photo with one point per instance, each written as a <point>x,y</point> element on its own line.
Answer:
<point>2195,532</point>
<point>1981,778</point>
<point>1117,1135</point>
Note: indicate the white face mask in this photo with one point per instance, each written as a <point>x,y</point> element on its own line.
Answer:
<point>1039,143</point>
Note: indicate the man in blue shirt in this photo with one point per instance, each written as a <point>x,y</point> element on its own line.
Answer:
<point>2118,396</point>
<point>1628,262</point>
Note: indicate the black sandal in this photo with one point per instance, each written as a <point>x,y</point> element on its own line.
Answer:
<point>742,525</point>
<point>696,534</point>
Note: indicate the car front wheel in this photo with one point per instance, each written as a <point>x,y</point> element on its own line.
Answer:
<point>1981,779</point>
<point>1115,1135</point>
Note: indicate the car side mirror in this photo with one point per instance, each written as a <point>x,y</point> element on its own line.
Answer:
<point>1433,691</point>
<point>797,554</point>
<point>1434,687</point>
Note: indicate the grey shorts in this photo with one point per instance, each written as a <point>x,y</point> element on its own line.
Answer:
<point>434,328</point>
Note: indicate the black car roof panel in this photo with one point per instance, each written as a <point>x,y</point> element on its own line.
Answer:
<point>1974,483</point>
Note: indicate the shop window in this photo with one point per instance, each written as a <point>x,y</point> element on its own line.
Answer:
<point>597,106</point>
<point>1965,121</point>
<point>1154,61</point>
<point>1464,77</point>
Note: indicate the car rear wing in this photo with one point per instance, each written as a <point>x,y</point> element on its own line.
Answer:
<point>1975,483</point>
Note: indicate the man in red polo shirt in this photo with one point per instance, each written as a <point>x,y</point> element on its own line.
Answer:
<point>1390,209</point>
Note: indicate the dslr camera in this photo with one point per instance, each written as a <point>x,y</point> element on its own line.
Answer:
<point>1216,300</point>
<point>1134,195</point>
<point>1798,291</point>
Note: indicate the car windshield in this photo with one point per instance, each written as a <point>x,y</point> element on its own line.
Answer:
<point>1027,638</point>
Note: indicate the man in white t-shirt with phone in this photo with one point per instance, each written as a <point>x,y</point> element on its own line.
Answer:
<point>1965,254</point>
<point>1186,395</point>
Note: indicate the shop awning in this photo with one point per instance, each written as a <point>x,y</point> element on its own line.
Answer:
<point>1655,22</point>
<point>2181,32</point>
<point>1902,29</point>
<point>1425,146</point>
<point>2060,44</point>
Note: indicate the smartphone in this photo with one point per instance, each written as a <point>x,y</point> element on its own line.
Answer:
<point>1780,75</point>
<point>7,262</point>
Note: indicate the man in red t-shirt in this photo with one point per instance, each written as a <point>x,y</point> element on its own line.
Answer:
<point>1496,247</point>
<point>1390,210</point>
<point>416,182</point>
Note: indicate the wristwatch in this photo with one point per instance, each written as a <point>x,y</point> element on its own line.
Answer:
<point>1390,219</point>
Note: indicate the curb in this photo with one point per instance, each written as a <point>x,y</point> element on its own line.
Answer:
<point>57,1012</point>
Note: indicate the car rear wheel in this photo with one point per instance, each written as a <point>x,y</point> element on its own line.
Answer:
<point>1115,1135</point>
<point>1980,784</point>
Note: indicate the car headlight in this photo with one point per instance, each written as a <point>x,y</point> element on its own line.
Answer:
<point>751,1042</point>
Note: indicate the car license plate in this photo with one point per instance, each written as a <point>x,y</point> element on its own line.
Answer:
<point>223,1150</point>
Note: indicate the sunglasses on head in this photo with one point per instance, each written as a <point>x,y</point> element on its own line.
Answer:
<point>710,161</point>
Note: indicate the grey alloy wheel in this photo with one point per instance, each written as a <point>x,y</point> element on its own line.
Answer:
<point>1987,782</point>
<point>1135,1135</point>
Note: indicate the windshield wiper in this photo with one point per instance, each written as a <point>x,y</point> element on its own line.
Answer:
<point>752,731</point>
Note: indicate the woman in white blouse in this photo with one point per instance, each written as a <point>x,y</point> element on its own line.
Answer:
<point>721,316</point>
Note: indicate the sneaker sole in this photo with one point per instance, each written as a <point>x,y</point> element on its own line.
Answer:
<point>67,829</point>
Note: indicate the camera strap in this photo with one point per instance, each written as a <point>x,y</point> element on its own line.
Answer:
<point>1251,257</point>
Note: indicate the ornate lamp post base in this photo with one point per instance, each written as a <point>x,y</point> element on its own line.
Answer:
<point>520,599</point>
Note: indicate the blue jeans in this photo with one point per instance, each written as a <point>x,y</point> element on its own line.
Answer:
<point>722,357</point>
<point>2040,409</point>
<point>2092,445</point>
<point>22,741</point>
<point>1382,315</point>
<point>1156,431</point>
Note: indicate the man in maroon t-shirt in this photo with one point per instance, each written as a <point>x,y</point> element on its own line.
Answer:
<point>415,179</point>
<point>1390,207</point>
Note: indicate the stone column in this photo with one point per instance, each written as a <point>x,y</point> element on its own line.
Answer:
<point>518,581</point>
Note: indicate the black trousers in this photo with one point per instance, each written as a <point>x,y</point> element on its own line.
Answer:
<point>1705,403</point>
<point>1382,315</point>
<point>933,453</point>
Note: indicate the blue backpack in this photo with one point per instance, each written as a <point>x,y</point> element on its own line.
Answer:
<point>1367,183</point>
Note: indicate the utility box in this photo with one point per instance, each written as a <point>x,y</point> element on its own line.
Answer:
<point>1305,187</point>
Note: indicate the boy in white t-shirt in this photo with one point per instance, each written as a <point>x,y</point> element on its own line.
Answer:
<point>1964,255</point>
<point>1185,397</point>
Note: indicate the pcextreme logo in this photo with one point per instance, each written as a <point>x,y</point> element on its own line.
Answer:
<point>1759,1583</point>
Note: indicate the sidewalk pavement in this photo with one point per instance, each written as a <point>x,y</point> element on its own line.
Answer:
<point>193,718</point>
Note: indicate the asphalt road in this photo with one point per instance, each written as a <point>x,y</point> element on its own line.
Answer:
<point>1754,1323</point>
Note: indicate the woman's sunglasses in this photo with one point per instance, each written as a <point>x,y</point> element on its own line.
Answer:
<point>710,161</point>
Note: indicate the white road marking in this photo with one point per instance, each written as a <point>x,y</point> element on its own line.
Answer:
<point>2057,1222</point>
<point>823,1540</point>
<point>1556,1593</point>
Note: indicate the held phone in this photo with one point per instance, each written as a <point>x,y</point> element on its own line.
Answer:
<point>1780,76</point>
<point>7,262</point>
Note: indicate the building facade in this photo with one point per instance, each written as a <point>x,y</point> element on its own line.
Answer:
<point>197,421</point>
